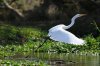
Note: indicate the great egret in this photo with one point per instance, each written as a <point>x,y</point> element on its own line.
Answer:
<point>58,33</point>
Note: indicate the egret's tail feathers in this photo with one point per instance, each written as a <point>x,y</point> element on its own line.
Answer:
<point>79,42</point>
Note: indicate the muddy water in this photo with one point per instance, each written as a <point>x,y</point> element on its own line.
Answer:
<point>62,59</point>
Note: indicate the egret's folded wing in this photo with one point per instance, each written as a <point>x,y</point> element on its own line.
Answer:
<point>64,36</point>
<point>60,35</point>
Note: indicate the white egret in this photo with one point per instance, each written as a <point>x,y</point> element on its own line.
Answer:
<point>59,33</point>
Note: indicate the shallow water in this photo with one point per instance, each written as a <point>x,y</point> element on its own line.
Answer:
<point>62,59</point>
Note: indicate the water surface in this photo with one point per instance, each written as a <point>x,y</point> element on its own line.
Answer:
<point>62,59</point>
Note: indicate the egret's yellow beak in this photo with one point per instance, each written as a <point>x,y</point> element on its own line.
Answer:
<point>82,14</point>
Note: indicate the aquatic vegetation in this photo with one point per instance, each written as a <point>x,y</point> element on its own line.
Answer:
<point>23,41</point>
<point>18,35</point>
<point>22,63</point>
<point>14,39</point>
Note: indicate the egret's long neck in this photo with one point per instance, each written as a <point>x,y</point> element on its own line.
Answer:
<point>72,22</point>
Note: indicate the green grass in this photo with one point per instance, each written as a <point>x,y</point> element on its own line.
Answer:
<point>18,35</point>
<point>26,39</point>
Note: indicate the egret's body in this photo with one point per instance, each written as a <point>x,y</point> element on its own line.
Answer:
<point>59,33</point>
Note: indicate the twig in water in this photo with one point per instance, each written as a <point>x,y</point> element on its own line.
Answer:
<point>45,39</point>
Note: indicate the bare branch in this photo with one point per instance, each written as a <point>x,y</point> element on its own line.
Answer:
<point>13,9</point>
<point>12,1</point>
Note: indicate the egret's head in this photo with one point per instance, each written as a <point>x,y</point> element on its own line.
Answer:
<point>79,15</point>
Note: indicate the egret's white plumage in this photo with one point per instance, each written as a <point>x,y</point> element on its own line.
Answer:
<point>58,33</point>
